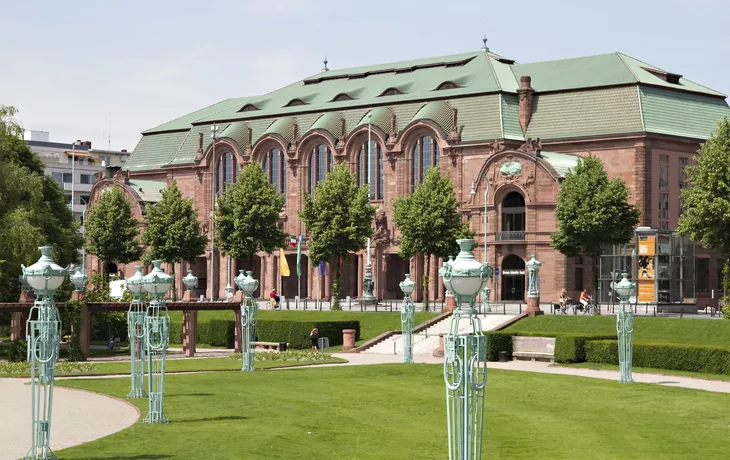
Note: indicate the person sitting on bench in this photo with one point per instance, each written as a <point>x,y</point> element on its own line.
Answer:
<point>564,299</point>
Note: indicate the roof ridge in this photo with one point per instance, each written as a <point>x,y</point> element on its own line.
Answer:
<point>565,59</point>
<point>621,58</point>
<point>491,68</point>
<point>187,114</point>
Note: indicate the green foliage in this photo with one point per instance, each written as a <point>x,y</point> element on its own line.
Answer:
<point>296,333</point>
<point>572,348</point>
<point>111,230</point>
<point>221,333</point>
<point>498,341</point>
<point>710,360</point>
<point>289,355</point>
<point>71,320</point>
<point>247,215</point>
<point>173,230</point>
<point>338,220</point>
<point>62,367</point>
<point>429,221</point>
<point>592,212</point>
<point>97,289</point>
<point>18,351</point>
<point>705,213</point>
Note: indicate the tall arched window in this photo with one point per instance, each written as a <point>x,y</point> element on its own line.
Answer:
<point>226,172</point>
<point>425,154</point>
<point>275,168</point>
<point>320,163</point>
<point>369,168</point>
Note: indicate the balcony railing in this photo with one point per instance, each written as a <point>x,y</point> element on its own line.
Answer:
<point>511,236</point>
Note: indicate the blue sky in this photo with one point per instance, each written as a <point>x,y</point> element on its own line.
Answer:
<point>73,67</point>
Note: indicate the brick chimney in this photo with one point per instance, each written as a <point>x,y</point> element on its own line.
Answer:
<point>525,92</point>
<point>199,153</point>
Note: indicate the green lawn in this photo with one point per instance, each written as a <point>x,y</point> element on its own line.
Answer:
<point>684,331</point>
<point>398,412</point>
<point>372,324</point>
<point>647,370</point>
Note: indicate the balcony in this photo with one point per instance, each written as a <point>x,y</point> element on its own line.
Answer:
<point>80,208</point>
<point>78,187</point>
<point>511,236</point>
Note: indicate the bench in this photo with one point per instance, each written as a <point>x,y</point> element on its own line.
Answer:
<point>278,346</point>
<point>533,348</point>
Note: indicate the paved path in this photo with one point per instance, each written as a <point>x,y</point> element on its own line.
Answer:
<point>78,417</point>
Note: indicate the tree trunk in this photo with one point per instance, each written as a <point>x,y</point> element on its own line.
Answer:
<point>594,261</point>
<point>335,301</point>
<point>426,272</point>
<point>726,287</point>
<point>174,282</point>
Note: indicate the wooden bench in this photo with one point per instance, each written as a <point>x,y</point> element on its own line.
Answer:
<point>270,345</point>
<point>533,348</point>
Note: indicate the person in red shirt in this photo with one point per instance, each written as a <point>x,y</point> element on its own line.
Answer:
<point>274,299</point>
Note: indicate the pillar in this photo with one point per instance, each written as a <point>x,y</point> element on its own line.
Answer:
<point>439,352</point>
<point>439,282</point>
<point>348,339</point>
<point>17,325</point>
<point>328,276</point>
<point>190,329</point>
<point>360,273</point>
<point>85,333</point>
<point>238,334</point>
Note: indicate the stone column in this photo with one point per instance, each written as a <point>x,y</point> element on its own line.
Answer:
<point>440,283</point>
<point>85,332</point>
<point>439,352</point>
<point>348,339</point>
<point>360,273</point>
<point>190,327</point>
<point>238,334</point>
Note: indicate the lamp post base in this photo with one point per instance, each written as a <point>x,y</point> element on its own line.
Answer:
<point>533,307</point>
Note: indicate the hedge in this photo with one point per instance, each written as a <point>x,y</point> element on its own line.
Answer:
<point>664,356</point>
<point>572,348</point>
<point>498,341</point>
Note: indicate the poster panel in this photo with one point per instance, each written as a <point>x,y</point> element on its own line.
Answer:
<point>646,268</point>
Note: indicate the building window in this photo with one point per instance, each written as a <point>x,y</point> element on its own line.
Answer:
<point>663,158</point>
<point>578,278</point>
<point>663,178</point>
<point>720,287</point>
<point>513,213</point>
<point>67,178</point>
<point>320,163</point>
<point>664,206</point>
<point>274,166</point>
<point>369,162</point>
<point>702,275</point>
<point>58,177</point>
<point>682,180</point>
<point>88,179</point>
<point>90,162</point>
<point>664,225</point>
<point>225,172</point>
<point>425,154</point>
<point>85,199</point>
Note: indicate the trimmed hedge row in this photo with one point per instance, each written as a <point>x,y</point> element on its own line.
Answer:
<point>498,341</point>
<point>568,348</point>
<point>664,356</point>
<point>221,333</point>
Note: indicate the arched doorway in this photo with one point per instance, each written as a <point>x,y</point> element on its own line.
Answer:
<point>513,278</point>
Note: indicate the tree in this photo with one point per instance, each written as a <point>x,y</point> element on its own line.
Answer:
<point>173,230</point>
<point>706,203</point>
<point>592,213</point>
<point>429,222</point>
<point>33,210</point>
<point>247,216</point>
<point>111,230</point>
<point>338,219</point>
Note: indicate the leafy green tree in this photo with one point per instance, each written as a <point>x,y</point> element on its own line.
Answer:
<point>111,229</point>
<point>247,216</point>
<point>33,210</point>
<point>338,219</point>
<point>429,222</point>
<point>173,230</point>
<point>592,213</point>
<point>706,203</point>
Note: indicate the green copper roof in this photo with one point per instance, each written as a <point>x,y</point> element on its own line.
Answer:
<point>439,112</point>
<point>511,128</point>
<point>681,114</point>
<point>184,122</point>
<point>381,118</point>
<point>150,191</point>
<point>330,122</point>
<point>562,162</point>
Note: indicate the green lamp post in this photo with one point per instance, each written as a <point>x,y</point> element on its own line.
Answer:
<point>44,338</point>
<point>191,282</point>
<point>465,355</point>
<point>157,336</point>
<point>78,279</point>
<point>136,331</point>
<point>406,318</point>
<point>625,329</point>
<point>249,312</point>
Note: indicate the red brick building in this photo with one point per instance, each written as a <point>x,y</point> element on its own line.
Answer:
<point>479,117</point>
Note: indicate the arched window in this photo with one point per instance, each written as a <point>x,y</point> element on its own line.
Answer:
<point>275,169</point>
<point>425,154</point>
<point>226,172</point>
<point>368,163</point>
<point>320,163</point>
<point>513,217</point>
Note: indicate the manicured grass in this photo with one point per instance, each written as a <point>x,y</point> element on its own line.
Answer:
<point>372,324</point>
<point>187,365</point>
<point>684,331</point>
<point>648,370</point>
<point>398,412</point>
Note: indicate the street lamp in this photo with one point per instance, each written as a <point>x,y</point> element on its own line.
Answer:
<point>78,279</point>
<point>229,288</point>
<point>191,282</point>
<point>213,130</point>
<point>249,310</point>
<point>83,247</point>
<point>43,335</point>
<point>73,174</point>
<point>625,328</point>
<point>157,331</point>
<point>465,356</point>
<point>486,291</point>
<point>406,318</point>
<point>136,332</point>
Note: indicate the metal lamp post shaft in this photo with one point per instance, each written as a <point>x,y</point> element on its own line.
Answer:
<point>625,330</point>
<point>406,317</point>
<point>249,312</point>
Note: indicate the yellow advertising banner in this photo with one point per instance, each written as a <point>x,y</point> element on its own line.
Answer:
<point>646,275</point>
<point>647,245</point>
<point>646,291</point>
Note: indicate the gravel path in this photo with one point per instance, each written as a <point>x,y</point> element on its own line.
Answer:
<point>78,417</point>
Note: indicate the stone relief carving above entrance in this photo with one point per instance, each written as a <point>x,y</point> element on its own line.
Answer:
<point>510,168</point>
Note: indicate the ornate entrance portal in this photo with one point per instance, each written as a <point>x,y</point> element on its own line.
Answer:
<point>513,278</point>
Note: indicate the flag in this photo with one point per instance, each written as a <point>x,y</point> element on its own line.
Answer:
<point>292,242</point>
<point>283,265</point>
<point>321,269</point>
<point>299,256</point>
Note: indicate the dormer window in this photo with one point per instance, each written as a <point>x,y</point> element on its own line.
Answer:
<point>447,85</point>
<point>668,77</point>
<point>295,102</point>
<point>341,97</point>
<point>248,108</point>
<point>391,92</point>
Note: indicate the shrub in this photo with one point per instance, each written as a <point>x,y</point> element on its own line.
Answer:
<point>176,332</point>
<point>18,351</point>
<point>498,341</point>
<point>571,348</point>
<point>221,333</point>
<point>664,356</point>
<point>296,333</point>
<point>289,355</point>
<point>4,330</point>
<point>109,324</point>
